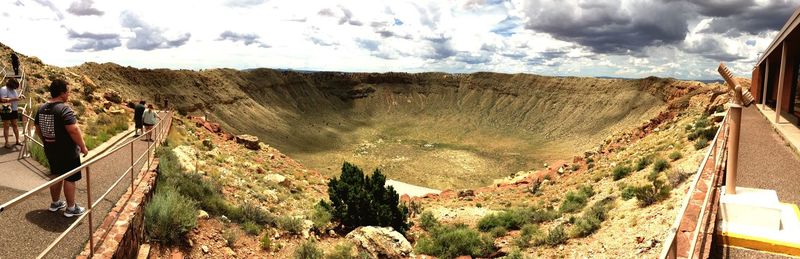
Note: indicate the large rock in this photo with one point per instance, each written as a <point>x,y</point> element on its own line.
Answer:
<point>113,97</point>
<point>380,242</point>
<point>249,141</point>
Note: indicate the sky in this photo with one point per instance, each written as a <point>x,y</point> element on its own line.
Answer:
<point>683,39</point>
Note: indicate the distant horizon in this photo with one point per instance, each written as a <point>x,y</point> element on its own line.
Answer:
<point>622,39</point>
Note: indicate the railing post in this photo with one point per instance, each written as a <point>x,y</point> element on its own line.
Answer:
<point>89,207</point>
<point>132,176</point>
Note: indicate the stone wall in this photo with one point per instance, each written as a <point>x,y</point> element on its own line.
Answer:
<point>126,233</point>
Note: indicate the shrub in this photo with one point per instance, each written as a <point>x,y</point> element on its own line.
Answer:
<point>498,232</point>
<point>675,155</point>
<point>359,200</point>
<point>643,162</point>
<point>590,221</point>
<point>230,235</point>
<point>251,228</point>
<point>104,127</point>
<point>701,143</point>
<point>308,250</point>
<point>628,192</point>
<point>529,232</point>
<point>37,153</point>
<point>169,215</point>
<point>266,242</point>
<point>575,201</point>
<point>676,177</point>
<point>516,218</point>
<point>321,215</point>
<point>451,241</point>
<point>516,254</point>
<point>555,236</point>
<point>651,193</point>
<point>291,224</point>
<point>342,251</point>
<point>621,171</point>
<point>660,165</point>
<point>427,221</point>
<point>253,213</point>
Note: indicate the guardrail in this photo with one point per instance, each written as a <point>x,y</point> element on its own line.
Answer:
<point>158,134</point>
<point>711,168</point>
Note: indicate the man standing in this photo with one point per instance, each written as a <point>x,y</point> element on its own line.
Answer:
<point>138,111</point>
<point>57,126</point>
<point>15,63</point>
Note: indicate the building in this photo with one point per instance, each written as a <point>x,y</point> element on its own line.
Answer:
<point>775,81</point>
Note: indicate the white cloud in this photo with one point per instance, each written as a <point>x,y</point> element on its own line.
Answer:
<point>349,35</point>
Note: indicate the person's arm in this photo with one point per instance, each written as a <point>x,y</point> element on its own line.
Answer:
<point>76,135</point>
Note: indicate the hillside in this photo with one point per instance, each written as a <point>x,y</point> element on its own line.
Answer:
<point>467,128</point>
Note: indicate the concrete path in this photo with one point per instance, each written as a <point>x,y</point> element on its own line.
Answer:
<point>28,228</point>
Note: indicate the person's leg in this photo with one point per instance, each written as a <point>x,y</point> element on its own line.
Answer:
<point>69,193</point>
<point>55,191</point>
<point>5,131</point>
<point>16,130</point>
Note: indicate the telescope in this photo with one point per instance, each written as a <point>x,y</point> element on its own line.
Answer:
<point>741,96</point>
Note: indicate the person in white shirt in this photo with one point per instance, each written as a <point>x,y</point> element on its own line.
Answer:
<point>8,109</point>
<point>150,117</point>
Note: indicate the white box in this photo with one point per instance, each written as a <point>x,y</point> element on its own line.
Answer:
<point>751,208</point>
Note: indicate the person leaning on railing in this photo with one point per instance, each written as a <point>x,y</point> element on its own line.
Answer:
<point>57,127</point>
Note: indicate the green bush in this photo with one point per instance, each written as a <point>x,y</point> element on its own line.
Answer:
<point>169,215</point>
<point>308,250</point>
<point>516,254</point>
<point>321,215</point>
<point>621,171</point>
<point>676,177</point>
<point>230,235</point>
<point>456,240</point>
<point>37,153</point>
<point>530,232</point>
<point>359,200</point>
<point>574,201</point>
<point>104,127</point>
<point>643,162</point>
<point>291,224</point>
<point>498,232</point>
<point>555,236</point>
<point>516,218</point>
<point>253,213</point>
<point>651,193</point>
<point>628,192</point>
<point>701,143</point>
<point>675,155</point>
<point>660,165</point>
<point>427,221</point>
<point>251,228</point>
<point>342,251</point>
<point>266,242</point>
<point>590,221</point>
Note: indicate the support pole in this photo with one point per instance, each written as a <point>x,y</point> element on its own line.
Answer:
<point>735,122</point>
<point>781,82</point>
<point>764,88</point>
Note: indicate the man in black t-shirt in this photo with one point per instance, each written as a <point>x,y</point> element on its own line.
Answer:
<point>138,111</point>
<point>56,126</point>
<point>15,63</point>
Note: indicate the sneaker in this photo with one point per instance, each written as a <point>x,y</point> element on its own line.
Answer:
<point>74,211</point>
<point>55,206</point>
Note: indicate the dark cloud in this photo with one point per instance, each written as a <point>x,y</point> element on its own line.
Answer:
<point>441,47</point>
<point>387,30</point>
<point>52,7</point>
<point>244,3</point>
<point>607,27</point>
<point>507,26</point>
<point>84,8</point>
<point>326,12</point>
<point>374,48</point>
<point>473,58</point>
<point>549,58</point>
<point>348,18</point>
<point>753,19</point>
<point>88,41</point>
<point>721,8</point>
<point>148,37</point>
<point>246,38</point>
<point>371,45</point>
<point>712,49</point>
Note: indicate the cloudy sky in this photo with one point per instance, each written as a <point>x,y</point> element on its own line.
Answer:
<point>621,38</point>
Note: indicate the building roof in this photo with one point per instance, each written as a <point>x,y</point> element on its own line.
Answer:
<point>790,26</point>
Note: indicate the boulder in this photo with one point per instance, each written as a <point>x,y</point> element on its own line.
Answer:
<point>380,242</point>
<point>113,97</point>
<point>201,214</point>
<point>107,105</point>
<point>275,178</point>
<point>466,193</point>
<point>249,141</point>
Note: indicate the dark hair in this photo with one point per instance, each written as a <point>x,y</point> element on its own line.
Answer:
<point>58,87</point>
<point>150,106</point>
<point>12,83</point>
<point>142,102</point>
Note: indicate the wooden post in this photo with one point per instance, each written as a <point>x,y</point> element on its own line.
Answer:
<point>764,88</point>
<point>781,81</point>
<point>735,111</point>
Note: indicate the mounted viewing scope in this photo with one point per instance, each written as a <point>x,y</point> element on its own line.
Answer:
<point>741,96</point>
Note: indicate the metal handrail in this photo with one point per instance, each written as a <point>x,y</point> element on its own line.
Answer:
<point>670,242</point>
<point>157,133</point>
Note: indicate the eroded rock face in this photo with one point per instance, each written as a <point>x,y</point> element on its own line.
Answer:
<point>380,242</point>
<point>113,96</point>
<point>249,141</point>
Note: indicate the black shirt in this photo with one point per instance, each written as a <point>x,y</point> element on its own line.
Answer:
<point>52,119</point>
<point>138,112</point>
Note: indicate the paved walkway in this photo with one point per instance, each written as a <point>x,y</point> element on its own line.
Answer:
<point>28,228</point>
<point>765,162</point>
